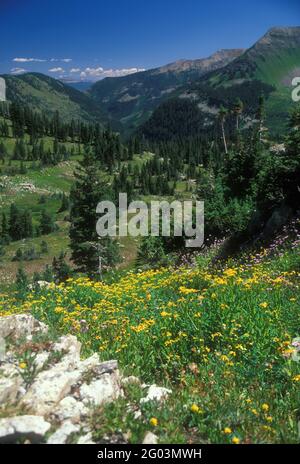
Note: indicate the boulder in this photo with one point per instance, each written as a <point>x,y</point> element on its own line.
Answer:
<point>105,389</point>
<point>2,349</point>
<point>20,326</point>
<point>69,345</point>
<point>62,434</point>
<point>70,408</point>
<point>32,428</point>
<point>86,439</point>
<point>51,386</point>
<point>150,439</point>
<point>9,389</point>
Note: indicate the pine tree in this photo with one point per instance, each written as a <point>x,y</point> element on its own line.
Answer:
<point>47,224</point>
<point>61,269</point>
<point>64,204</point>
<point>48,273</point>
<point>44,247</point>
<point>27,226</point>
<point>89,189</point>
<point>15,223</point>
<point>5,238</point>
<point>21,280</point>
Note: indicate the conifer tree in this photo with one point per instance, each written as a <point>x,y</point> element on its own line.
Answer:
<point>47,224</point>
<point>89,189</point>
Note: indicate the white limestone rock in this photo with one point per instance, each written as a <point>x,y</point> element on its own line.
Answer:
<point>70,345</point>
<point>20,325</point>
<point>70,408</point>
<point>150,439</point>
<point>51,386</point>
<point>105,389</point>
<point>9,389</point>
<point>32,428</point>
<point>86,439</point>
<point>62,434</point>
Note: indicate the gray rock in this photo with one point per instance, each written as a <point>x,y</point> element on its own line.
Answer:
<point>63,433</point>
<point>68,344</point>
<point>100,391</point>
<point>9,389</point>
<point>70,408</point>
<point>32,428</point>
<point>150,439</point>
<point>20,325</point>
<point>89,364</point>
<point>2,349</point>
<point>40,359</point>
<point>51,386</point>
<point>86,439</point>
<point>105,367</point>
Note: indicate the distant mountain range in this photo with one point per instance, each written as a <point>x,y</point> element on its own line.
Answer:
<point>132,99</point>
<point>129,102</point>
<point>266,68</point>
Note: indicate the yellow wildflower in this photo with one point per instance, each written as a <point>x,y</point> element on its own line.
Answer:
<point>235,440</point>
<point>195,408</point>
<point>153,421</point>
<point>227,430</point>
<point>263,305</point>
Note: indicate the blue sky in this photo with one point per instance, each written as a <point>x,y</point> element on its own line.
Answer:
<point>91,39</point>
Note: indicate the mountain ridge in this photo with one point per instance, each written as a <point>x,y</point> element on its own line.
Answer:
<point>266,68</point>
<point>45,94</point>
<point>132,99</point>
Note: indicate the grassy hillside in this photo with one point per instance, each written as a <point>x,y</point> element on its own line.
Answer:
<point>223,339</point>
<point>36,187</point>
<point>43,93</point>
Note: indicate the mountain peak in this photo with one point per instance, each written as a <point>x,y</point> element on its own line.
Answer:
<point>281,35</point>
<point>217,59</point>
<point>283,30</point>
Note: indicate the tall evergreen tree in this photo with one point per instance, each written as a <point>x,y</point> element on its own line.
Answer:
<point>89,189</point>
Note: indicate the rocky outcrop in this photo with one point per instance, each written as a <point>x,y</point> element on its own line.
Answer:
<point>20,326</point>
<point>51,395</point>
<point>32,428</point>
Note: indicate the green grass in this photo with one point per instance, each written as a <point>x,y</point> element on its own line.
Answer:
<point>220,339</point>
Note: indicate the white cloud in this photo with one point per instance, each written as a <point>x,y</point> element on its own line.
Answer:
<point>17,70</point>
<point>56,70</point>
<point>101,72</point>
<point>28,60</point>
<point>75,70</point>
<point>121,72</point>
<point>63,60</point>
